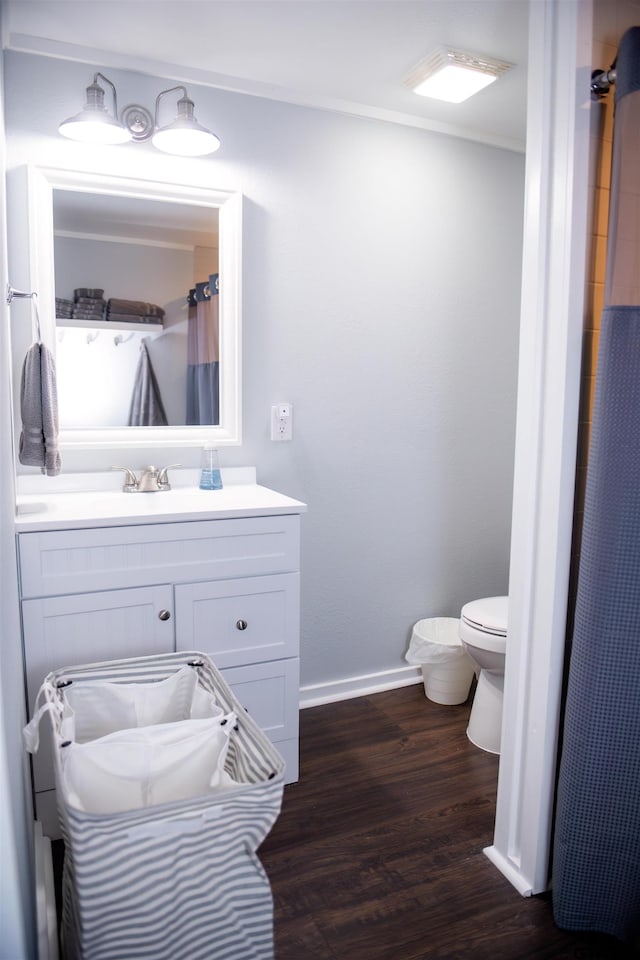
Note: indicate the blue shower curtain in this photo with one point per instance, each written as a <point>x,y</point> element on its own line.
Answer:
<point>596,851</point>
<point>203,357</point>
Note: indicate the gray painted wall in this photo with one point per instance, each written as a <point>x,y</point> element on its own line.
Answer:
<point>381,297</point>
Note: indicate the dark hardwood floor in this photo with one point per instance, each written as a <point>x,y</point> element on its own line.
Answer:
<point>377,854</point>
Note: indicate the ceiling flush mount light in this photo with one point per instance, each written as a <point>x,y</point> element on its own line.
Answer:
<point>184,136</point>
<point>454,76</point>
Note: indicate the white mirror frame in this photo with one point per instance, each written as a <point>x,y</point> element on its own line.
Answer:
<point>40,184</point>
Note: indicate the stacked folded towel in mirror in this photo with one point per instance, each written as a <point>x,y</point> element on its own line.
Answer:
<point>134,311</point>
<point>88,304</point>
<point>64,308</point>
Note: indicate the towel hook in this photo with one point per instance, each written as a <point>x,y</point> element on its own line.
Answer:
<point>12,293</point>
<point>35,315</point>
<point>93,336</point>
<point>120,339</point>
<point>18,294</point>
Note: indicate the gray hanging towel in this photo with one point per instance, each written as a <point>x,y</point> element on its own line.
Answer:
<point>146,409</point>
<point>39,411</point>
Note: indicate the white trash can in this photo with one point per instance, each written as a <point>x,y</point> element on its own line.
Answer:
<point>447,670</point>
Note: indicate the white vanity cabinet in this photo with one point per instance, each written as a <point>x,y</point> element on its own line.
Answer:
<point>225,587</point>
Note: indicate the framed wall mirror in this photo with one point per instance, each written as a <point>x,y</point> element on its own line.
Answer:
<point>139,287</point>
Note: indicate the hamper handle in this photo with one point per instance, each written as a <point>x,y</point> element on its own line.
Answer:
<point>31,733</point>
<point>165,828</point>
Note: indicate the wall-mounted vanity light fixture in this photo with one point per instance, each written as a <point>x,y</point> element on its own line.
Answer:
<point>184,136</point>
<point>454,76</point>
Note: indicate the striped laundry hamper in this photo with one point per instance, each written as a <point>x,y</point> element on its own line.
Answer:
<point>165,865</point>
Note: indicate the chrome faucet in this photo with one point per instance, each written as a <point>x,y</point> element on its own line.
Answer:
<point>148,482</point>
<point>151,480</point>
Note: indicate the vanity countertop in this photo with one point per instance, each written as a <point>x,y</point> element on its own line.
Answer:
<point>70,509</point>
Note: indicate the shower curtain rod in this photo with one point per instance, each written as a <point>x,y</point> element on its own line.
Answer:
<point>601,81</point>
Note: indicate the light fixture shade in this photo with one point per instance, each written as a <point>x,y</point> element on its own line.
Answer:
<point>85,127</point>
<point>454,76</point>
<point>184,137</point>
<point>94,123</point>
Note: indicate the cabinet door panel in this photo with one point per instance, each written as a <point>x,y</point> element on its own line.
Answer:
<point>270,692</point>
<point>63,631</point>
<point>240,621</point>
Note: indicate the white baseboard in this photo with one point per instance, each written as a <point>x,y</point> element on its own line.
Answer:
<point>315,694</point>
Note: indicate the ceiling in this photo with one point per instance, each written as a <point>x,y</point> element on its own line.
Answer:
<point>93,214</point>
<point>345,55</point>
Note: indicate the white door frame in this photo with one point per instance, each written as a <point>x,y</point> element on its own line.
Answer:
<point>554,273</point>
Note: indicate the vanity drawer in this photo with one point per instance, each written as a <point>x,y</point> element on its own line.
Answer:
<point>107,558</point>
<point>240,621</point>
<point>270,692</point>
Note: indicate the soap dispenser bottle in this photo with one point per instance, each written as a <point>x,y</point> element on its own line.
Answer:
<point>210,478</point>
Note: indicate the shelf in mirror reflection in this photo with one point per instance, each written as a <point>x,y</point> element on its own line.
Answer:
<point>62,322</point>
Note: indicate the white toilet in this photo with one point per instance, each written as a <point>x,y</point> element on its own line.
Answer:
<point>483,632</point>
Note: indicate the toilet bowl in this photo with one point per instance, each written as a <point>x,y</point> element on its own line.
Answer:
<point>483,633</point>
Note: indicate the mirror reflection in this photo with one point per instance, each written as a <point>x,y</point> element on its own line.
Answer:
<point>137,311</point>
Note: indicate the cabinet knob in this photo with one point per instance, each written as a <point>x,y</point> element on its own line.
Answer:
<point>241,624</point>
<point>164,615</point>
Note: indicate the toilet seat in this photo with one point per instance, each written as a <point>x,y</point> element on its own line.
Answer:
<point>483,624</point>
<point>488,615</point>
